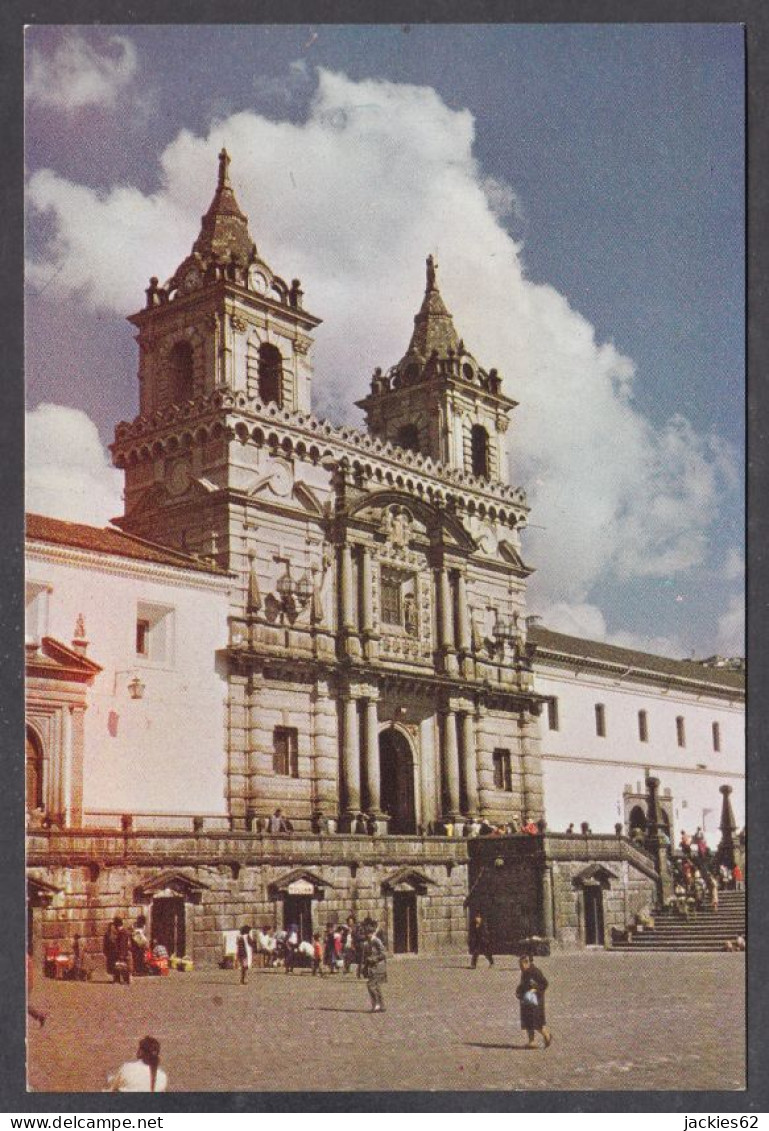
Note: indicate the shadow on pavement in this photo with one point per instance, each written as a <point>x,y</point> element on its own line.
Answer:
<point>487,1045</point>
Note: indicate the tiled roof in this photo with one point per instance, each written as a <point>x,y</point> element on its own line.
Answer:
<point>109,540</point>
<point>598,653</point>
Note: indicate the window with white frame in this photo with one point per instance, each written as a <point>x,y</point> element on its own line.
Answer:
<point>681,731</point>
<point>154,633</point>
<point>717,737</point>
<point>553,720</point>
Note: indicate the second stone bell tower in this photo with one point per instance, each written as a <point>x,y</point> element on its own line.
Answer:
<point>437,400</point>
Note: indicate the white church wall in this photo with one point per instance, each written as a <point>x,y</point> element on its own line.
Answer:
<point>164,752</point>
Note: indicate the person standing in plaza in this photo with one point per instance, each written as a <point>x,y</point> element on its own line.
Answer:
<point>480,940</point>
<point>123,955</point>
<point>109,945</point>
<point>243,952</point>
<point>374,965</point>
<point>531,995</point>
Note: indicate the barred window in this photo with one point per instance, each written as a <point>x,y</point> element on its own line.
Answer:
<point>643,727</point>
<point>553,721</point>
<point>285,751</point>
<point>717,737</point>
<point>680,731</point>
<point>391,601</point>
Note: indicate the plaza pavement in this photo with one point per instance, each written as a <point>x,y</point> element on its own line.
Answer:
<point>620,1021</point>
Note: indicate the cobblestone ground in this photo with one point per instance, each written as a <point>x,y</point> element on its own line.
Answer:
<point>654,1021</point>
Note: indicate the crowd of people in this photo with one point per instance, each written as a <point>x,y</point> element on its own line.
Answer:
<point>368,824</point>
<point>335,950</point>
<point>129,951</point>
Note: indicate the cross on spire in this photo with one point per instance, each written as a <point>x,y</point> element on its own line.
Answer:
<point>224,169</point>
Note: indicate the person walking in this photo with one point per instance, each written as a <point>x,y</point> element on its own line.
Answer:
<point>374,965</point>
<point>531,994</point>
<point>109,944</point>
<point>123,960</point>
<point>480,940</point>
<point>143,1074</point>
<point>243,952</point>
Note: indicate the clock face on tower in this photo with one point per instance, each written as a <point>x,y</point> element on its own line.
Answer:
<point>257,281</point>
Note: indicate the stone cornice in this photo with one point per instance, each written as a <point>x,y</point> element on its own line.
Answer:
<point>235,415</point>
<point>126,567</point>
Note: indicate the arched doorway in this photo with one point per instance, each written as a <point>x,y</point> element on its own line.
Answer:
<point>396,771</point>
<point>34,752</point>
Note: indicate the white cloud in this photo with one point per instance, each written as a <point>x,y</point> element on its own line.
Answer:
<point>68,472</point>
<point>76,74</point>
<point>352,200</point>
<point>731,628</point>
<point>734,565</point>
<point>587,621</point>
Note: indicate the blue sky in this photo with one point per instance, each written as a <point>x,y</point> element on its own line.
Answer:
<point>582,185</point>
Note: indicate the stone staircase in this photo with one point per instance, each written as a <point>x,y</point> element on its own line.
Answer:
<point>705,930</point>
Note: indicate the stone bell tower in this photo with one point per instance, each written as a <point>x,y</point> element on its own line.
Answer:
<point>437,400</point>
<point>224,330</point>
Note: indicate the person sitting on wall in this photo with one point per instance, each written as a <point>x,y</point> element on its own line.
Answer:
<point>570,829</point>
<point>530,827</point>
<point>585,829</point>
<point>277,823</point>
<point>359,825</point>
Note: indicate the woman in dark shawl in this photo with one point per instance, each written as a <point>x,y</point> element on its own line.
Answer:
<point>531,994</point>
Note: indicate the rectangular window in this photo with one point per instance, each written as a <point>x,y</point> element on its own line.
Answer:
<point>503,771</point>
<point>285,751</point>
<point>552,714</point>
<point>142,638</point>
<point>643,727</point>
<point>680,731</point>
<point>600,720</point>
<point>717,737</point>
<point>391,601</point>
<point>154,631</point>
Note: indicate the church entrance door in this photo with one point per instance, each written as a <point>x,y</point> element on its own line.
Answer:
<point>297,911</point>
<point>168,924</point>
<point>593,915</point>
<point>396,769</point>
<point>405,929</point>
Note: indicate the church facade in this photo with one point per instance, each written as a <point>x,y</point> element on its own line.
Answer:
<point>371,664</point>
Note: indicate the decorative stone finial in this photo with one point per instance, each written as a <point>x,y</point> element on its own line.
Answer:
<point>80,627</point>
<point>224,169</point>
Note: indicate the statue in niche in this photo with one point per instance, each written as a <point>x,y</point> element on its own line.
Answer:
<point>410,614</point>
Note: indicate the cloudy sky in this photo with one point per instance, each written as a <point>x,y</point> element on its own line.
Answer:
<point>582,189</point>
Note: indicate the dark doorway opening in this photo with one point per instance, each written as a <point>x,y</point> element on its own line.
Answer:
<point>168,924</point>
<point>297,911</point>
<point>396,770</point>
<point>405,925</point>
<point>594,915</point>
<point>637,819</point>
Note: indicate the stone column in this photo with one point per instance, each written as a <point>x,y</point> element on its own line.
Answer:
<point>548,927</point>
<point>451,763</point>
<point>445,620</point>
<point>78,749</point>
<point>728,827</point>
<point>658,849</point>
<point>350,755</point>
<point>531,768</point>
<point>469,768</point>
<point>430,808</point>
<point>346,588</point>
<point>366,592</point>
<point>463,615</point>
<point>372,755</point>
<point>66,777</point>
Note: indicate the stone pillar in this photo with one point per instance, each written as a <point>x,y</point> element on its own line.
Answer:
<point>463,615</point>
<point>350,755</point>
<point>445,620</point>
<point>325,748</point>
<point>78,750</point>
<point>346,594</point>
<point>66,777</point>
<point>531,768</point>
<point>430,808</point>
<point>548,927</point>
<point>658,849</point>
<point>451,764</point>
<point>372,755</point>
<point>728,827</point>
<point>370,641</point>
<point>469,765</point>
